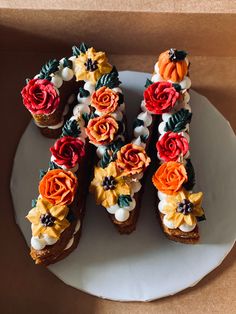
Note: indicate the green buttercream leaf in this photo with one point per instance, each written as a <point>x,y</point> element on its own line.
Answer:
<point>34,202</point>
<point>124,200</point>
<point>76,51</point>
<point>85,117</point>
<point>138,123</point>
<point>42,173</point>
<point>178,121</point>
<point>148,83</point>
<point>83,92</point>
<point>191,175</point>
<point>109,80</point>
<point>67,63</point>
<point>71,128</point>
<point>50,67</point>
<point>143,138</point>
<point>177,55</point>
<point>202,218</point>
<point>111,153</point>
<point>177,87</point>
<point>52,165</point>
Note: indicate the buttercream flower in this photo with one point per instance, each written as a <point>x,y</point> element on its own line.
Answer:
<point>48,219</point>
<point>108,184</point>
<point>183,207</point>
<point>58,187</point>
<point>105,100</point>
<point>102,130</point>
<point>68,151</point>
<point>132,159</point>
<point>172,146</point>
<point>170,177</point>
<point>160,97</point>
<point>91,65</point>
<point>40,97</point>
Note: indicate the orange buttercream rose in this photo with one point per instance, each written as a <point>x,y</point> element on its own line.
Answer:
<point>58,187</point>
<point>102,130</point>
<point>170,177</point>
<point>105,100</point>
<point>132,159</point>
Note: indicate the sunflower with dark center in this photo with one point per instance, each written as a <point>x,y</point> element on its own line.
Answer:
<point>47,220</point>
<point>90,65</point>
<point>185,207</point>
<point>108,184</point>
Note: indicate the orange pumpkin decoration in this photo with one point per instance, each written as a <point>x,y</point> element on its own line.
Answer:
<point>172,65</point>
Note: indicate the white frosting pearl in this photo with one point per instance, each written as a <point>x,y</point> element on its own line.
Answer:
<point>89,87</point>
<point>156,68</point>
<point>72,58</point>
<point>186,228</point>
<point>186,83</point>
<point>131,206</point>
<point>36,76</point>
<point>37,243</point>
<point>67,74</point>
<point>146,118</point>
<point>83,100</point>
<point>166,116</point>
<point>161,205</point>
<point>117,90</point>
<point>161,127</point>
<point>117,115</point>
<point>101,151</point>
<point>143,106</point>
<point>112,209</point>
<point>79,109</point>
<point>161,195</point>
<point>186,97</point>
<point>49,240</point>
<point>141,130</point>
<point>121,214</point>
<point>57,81</point>
<point>168,223</point>
<point>156,78</point>
<point>137,141</point>
<point>186,135</point>
<point>77,227</point>
<point>138,176</point>
<point>69,244</point>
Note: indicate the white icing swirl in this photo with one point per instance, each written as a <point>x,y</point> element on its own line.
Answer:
<point>146,118</point>
<point>137,141</point>
<point>141,130</point>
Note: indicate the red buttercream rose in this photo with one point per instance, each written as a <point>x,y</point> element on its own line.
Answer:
<point>68,151</point>
<point>40,97</point>
<point>171,146</point>
<point>160,97</point>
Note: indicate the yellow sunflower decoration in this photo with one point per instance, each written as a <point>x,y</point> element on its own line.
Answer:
<point>108,184</point>
<point>91,65</point>
<point>183,207</point>
<point>48,219</point>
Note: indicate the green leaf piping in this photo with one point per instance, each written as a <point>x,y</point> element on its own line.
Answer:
<point>42,173</point>
<point>111,153</point>
<point>76,51</point>
<point>177,122</point>
<point>50,67</point>
<point>124,200</point>
<point>148,83</point>
<point>83,92</point>
<point>71,128</point>
<point>67,63</point>
<point>34,202</point>
<point>138,123</point>
<point>109,80</point>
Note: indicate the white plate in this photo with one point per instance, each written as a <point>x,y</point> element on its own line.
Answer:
<point>144,265</point>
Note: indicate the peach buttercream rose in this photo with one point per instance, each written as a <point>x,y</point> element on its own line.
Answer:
<point>58,187</point>
<point>105,100</point>
<point>132,159</point>
<point>170,177</point>
<point>102,130</point>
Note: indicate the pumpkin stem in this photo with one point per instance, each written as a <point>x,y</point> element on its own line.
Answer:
<point>177,55</point>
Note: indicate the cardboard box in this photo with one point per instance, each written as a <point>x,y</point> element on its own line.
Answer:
<point>133,33</point>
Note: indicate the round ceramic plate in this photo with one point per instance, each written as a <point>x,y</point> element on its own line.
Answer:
<point>144,265</point>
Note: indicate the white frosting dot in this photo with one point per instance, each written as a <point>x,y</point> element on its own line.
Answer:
<point>121,214</point>
<point>161,195</point>
<point>83,100</point>
<point>101,151</point>
<point>157,78</point>
<point>80,108</point>
<point>161,127</point>
<point>168,223</point>
<point>141,130</point>
<point>156,68</point>
<point>146,118</point>
<point>136,186</point>
<point>166,116</point>
<point>137,141</point>
<point>131,206</point>
<point>49,240</point>
<point>89,87</point>
<point>37,243</point>
<point>186,228</point>
<point>161,205</point>
<point>112,209</point>
<point>186,97</point>
<point>57,81</point>
<point>186,83</point>
<point>67,74</point>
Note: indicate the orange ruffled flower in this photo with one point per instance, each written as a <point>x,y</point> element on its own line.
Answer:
<point>102,130</point>
<point>132,159</point>
<point>170,177</point>
<point>58,187</point>
<point>105,100</point>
